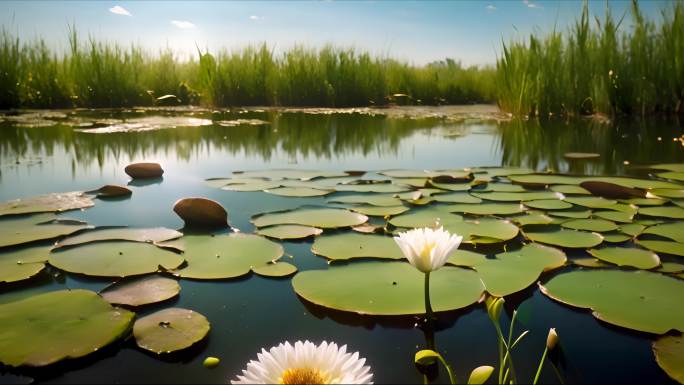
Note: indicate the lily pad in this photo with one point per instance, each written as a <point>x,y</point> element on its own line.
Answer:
<point>225,256</point>
<point>249,185</point>
<point>679,176</point>
<point>276,270</point>
<point>573,213</point>
<point>502,171</point>
<point>170,330</point>
<point>485,230</point>
<point>290,174</point>
<point>638,300</point>
<point>569,189</point>
<point>114,259</point>
<point>645,201</point>
<point>549,179</point>
<point>673,212</point>
<point>557,236</point>
<point>590,262</point>
<point>379,211</point>
<point>531,219</point>
<point>487,208</point>
<point>356,245</point>
<point>372,188</point>
<point>674,231</point>
<point>46,328</point>
<point>371,199</point>
<point>298,192</point>
<point>20,264</point>
<point>615,216</point>
<point>632,229</point>
<point>517,196</point>
<point>598,225</point>
<point>671,267</point>
<point>18,230</point>
<point>591,202</point>
<point>666,247</point>
<point>501,187</point>
<point>549,204</point>
<point>627,256</point>
<point>56,202</point>
<point>151,235</point>
<point>457,197</point>
<point>677,167</point>
<point>141,291</point>
<point>456,174</point>
<point>615,237</point>
<point>326,218</point>
<point>669,354</point>
<point>450,186</point>
<point>668,193</point>
<point>387,288</point>
<point>427,217</point>
<point>289,231</point>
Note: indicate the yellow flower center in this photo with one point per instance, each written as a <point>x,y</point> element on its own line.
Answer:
<point>303,376</point>
<point>427,248</point>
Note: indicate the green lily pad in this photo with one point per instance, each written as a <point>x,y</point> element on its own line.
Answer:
<point>639,300</point>
<point>645,201</point>
<point>615,237</point>
<point>673,175</point>
<point>677,167</point>
<point>517,196</point>
<point>615,216</point>
<point>450,186</point>
<point>414,182</point>
<point>591,202</point>
<point>484,230</point>
<point>151,235</point>
<point>487,208</point>
<point>549,204</point>
<point>141,291</point>
<point>290,174</point>
<point>671,267</point>
<point>574,213</point>
<point>466,258</point>
<point>590,262</point>
<point>557,236</point>
<point>387,288</point>
<point>20,264</point>
<point>217,182</point>
<point>356,245</point>
<point>114,259</point>
<point>598,225</point>
<point>276,270</point>
<point>289,231</point>
<point>667,247</point>
<point>632,229</point>
<point>170,330</point>
<point>668,193</point>
<point>379,211</point>
<point>297,192</point>
<point>627,256</point>
<point>427,217</point>
<point>549,179</point>
<point>326,218</point>
<point>46,328</point>
<point>457,197</point>
<point>250,185</point>
<point>501,187</point>
<point>674,231</point>
<point>56,202</point>
<point>669,354</point>
<point>532,219</point>
<point>502,171</point>
<point>673,212</point>
<point>372,188</point>
<point>371,199</point>
<point>24,229</point>
<point>569,189</point>
<point>225,256</point>
<point>456,174</point>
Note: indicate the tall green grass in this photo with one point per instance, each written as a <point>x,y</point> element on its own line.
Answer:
<point>601,65</point>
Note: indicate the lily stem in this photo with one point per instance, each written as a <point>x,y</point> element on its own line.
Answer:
<point>428,306</point>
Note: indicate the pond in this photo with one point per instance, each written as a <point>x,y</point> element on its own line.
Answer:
<point>60,151</point>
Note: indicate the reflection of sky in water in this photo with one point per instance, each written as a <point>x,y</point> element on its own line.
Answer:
<point>257,312</point>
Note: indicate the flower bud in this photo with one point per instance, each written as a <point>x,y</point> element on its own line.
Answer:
<point>551,339</point>
<point>494,307</point>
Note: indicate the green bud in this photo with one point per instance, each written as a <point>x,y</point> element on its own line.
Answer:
<point>480,375</point>
<point>494,307</point>
<point>211,362</point>
<point>426,357</point>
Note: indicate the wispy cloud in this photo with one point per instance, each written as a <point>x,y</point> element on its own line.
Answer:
<point>119,10</point>
<point>530,4</point>
<point>491,7</point>
<point>183,24</point>
<point>254,17</point>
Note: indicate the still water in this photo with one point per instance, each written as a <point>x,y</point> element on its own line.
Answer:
<point>254,312</point>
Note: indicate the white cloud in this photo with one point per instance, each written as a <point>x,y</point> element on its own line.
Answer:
<point>254,17</point>
<point>491,7</point>
<point>530,4</point>
<point>119,10</point>
<point>183,24</point>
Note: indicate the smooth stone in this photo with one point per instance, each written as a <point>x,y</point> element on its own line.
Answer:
<point>112,190</point>
<point>201,212</point>
<point>144,170</point>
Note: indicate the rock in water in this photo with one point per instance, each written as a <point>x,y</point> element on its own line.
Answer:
<point>201,212</point>
<point>111,191</point>
<point>144,170</point>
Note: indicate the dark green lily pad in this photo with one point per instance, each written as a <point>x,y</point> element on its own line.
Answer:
<point>669,354</point>
<point>289,231</point>
<point>549,204</point>
<point>56,202</point>
<point>356,245</point>
<point>487,208</point>
<point>502,171</point>
<point>557,236</point>
<point>450,186</point>
<point>151,235</point>
<point>379,211</point>
<point>414,182</point>
<point>638,300</point>
<point>115,259</point>
<point>466,258</point>
<point>672,212</point>
<point>326,218</point>
<point>141,291</point>
<point>531,219</point>
<point>46,328</point>
<point>170,330</point>
<point>674,231</point>
<point>24,229</point>
<point>671,267</point>
<point>20,264</point>
<point>297,191</point>
<point>627,256</point>
<point>632,229</point>
<point>679,176</point>
<point>370,199</point>
<point>667,247</point>
<point>677,167</point>
<point>456,174</point>
<point>575,213</point>
<point>485,230</point>
<point>387,288</point>
<point>276,270</point>
<point>615,216</point>
<point>598,225</point>
<point>615,237</point>
<point>225,256</point>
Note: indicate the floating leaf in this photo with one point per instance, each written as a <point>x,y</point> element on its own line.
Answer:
<point>557,236</point>
<point>170,330</point>
<point>502,171</point>
<point>674,231</point>
<point>290,174</point>
<point>549,179</point>
<point>46,328</point>
<point>318,217</point>
<point>141,291</point>
<point>598,225</point>
<point>671,267</point>
<point>276,270</point>
<point>591,202</point>
<point>451,186</point>
<point>414,182</point>
<point>387,288</point>
<point>289,231</point>
<point>569,189</point>
<point>148,123</point>
<point>372,187</point>
<point>249,185</point>
<point>114,259</point>
<point>151,235</point>
<point>56,202</point>
<point>371,199</point>
<point>379,211</point>
<point>456,174</point>
<point>668,193</point>
<point>485,230</point>
<point>624,256</point>
<point>20,264</point>
<point>18,230</point>
<point>645,201</point>
<point>487,208</point>
<point>590,262</point>
<point>574,213</point>
<point>457,197</point>
<point>632,229</point>
<point>549,204</point>
<point>639,300</point>
<point>225,256</point>
<point>677,167</point>
<point>427,217</point>
<point>669,354</point>
<point>501,187</point>
<point>667,247</point>
<point>615,216</point>
<point>517,196</point>
<point>297,192</point>
<point>356,245</point>
<point>663,212</point>
<point>615,237</point>
<point>679,176</point>
<point>532,219</point>
<point>465,258</point>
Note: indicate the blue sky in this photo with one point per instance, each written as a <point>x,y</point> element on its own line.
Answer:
<point>419,32</point>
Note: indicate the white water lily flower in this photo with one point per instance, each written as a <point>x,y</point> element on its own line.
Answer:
<point>427,249</point>
<point>306,363</point>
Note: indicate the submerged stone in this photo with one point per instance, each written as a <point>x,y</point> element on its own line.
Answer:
<point>201,212</point>
<point>144,170</point>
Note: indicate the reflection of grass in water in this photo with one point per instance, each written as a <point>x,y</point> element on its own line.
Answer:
<point>609,67</point>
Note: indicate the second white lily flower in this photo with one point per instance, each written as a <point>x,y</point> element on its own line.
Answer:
<point>427,249</point>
